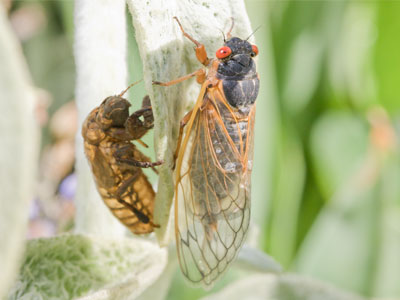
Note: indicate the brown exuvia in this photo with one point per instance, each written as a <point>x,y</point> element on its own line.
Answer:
<point>116,163</point>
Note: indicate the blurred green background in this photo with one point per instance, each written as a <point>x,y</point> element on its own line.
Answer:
<point>326,183</point>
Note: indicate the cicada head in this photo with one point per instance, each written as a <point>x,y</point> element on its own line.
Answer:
<point>236,57</point>
<point>237,70</point>
<point>113,112</point>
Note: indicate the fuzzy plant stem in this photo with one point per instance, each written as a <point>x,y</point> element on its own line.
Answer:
<point>100,55</point>
<point>19,140</point>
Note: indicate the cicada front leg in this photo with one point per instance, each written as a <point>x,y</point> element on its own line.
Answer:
<point>137,127</point>
<point>202,57</point>
<point>201,52</point>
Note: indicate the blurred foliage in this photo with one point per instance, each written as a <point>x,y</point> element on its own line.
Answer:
<point>386,60</point>
<point>326,187</point>
<point>336,147</point>
<point>46,31</point>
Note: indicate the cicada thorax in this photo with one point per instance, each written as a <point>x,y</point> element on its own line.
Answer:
<point>238,74</point>
<point>116,162</point>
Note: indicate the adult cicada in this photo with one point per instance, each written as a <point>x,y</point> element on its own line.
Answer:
<point>214,160</point>
<point>117,164</point>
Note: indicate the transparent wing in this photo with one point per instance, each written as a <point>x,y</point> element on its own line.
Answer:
<point>213,189</point>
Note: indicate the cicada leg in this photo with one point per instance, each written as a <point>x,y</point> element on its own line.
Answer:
<point>121,191</point>
<point>183,123</point>
<point>201,52</point>
<point>201,55</point>
<point>140,164</point>
<point>135,126</point>
<point>200,77</point>
<point>119,133</point>
<point>124,155</point>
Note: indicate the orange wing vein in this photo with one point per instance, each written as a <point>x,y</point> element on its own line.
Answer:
<point>212,192</point>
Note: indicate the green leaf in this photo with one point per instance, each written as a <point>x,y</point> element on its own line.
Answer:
<point>358,229</point>
<point>338,145</point>
<point>341,239</point>
<point>387,60</point>
<point>290,175</point>
<point>266,123</point>
<point>387,272</point>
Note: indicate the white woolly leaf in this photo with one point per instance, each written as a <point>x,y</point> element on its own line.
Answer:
<point>71,266</point>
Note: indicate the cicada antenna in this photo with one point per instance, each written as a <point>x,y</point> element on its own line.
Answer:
<point>253,32</point>
<point>228,35</point>
<point>131,85</point>
<point>223,34</point>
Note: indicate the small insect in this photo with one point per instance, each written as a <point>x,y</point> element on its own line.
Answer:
<point>116,162</point>
<point>214,160</point>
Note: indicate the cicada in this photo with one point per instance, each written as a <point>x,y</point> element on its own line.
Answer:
<point>117,164</point>
<point>214,160</point>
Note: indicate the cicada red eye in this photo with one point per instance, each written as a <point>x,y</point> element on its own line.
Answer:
<point>223,52</point>
<point>255,50</point>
